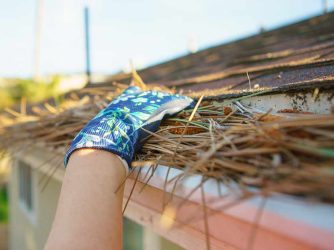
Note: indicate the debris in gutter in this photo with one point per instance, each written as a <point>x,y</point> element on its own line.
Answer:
<point>226,140</point>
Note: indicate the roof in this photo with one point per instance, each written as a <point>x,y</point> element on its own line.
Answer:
<point>297,55</point>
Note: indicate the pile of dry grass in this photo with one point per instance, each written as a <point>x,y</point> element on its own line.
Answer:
<point>222,140</point>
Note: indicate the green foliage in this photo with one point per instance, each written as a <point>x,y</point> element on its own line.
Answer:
<point>6,99</point>
<point>31,90</point>
<point>3,205</point>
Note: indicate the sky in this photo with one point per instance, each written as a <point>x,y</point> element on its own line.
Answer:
<point>144,31</point>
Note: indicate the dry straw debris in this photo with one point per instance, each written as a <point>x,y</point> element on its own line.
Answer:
<point>225,140</point>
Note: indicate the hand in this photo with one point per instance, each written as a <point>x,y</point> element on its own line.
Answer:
<point>117,128</point>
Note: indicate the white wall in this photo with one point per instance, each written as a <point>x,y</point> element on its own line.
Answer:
<point>29,231</point>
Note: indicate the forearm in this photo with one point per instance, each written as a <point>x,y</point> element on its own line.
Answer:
<point>89,214</point>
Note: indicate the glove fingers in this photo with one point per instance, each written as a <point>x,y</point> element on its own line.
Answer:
<point>170,108</point>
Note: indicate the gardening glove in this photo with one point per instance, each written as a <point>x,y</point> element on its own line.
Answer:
<point>120,127</point>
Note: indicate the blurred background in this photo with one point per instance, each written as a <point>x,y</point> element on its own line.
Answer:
<point>44,41</point>
<point>47,46</point>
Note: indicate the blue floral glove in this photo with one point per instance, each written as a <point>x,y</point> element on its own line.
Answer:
<point>117,128</point>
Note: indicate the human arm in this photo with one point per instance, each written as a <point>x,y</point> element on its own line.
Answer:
<point>88,205</point>
<point>89,214</point>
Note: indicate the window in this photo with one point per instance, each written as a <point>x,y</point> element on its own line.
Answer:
<point>25,186</point>
<point>138,237</point>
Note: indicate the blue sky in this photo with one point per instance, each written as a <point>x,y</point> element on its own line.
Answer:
<point>146,31</point>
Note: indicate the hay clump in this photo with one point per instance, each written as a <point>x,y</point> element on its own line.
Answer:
<point>225,140</point>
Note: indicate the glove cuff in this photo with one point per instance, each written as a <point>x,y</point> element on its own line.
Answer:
<point>109,134</point>
<point>123,158</point>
